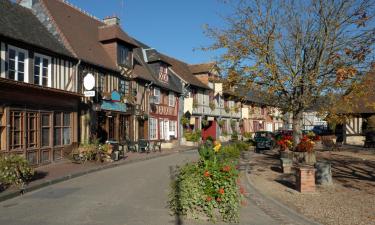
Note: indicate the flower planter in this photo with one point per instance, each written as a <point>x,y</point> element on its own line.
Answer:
<point>305,180</point>
<point>304,157</point>
<point>323,175</point>
<point>286,165</point>
<point>285,154</point>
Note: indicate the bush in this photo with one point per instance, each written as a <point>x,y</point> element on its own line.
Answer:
<point>194,136</point>
<point>15,170</point>
<point>234,136</point>
<point>208,189</point>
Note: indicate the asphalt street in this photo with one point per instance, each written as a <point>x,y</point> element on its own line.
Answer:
<point>131,194</point>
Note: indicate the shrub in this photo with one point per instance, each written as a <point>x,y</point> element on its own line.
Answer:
<point>193,135</point>
<point>208,188</point>
<point>184,121</point>
<point>242,146</point>
<point>229,153</point>
<point>248,135</point>
<point>15,170</point>
<point>234,136</point>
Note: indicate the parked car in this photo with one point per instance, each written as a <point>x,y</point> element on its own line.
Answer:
<point>264,140</point>
<point>322,130</point>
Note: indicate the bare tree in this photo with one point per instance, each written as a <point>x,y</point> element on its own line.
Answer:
<point>296,50</point>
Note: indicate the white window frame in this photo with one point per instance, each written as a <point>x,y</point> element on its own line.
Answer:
<point>172,128</point>
<point>25,63</point>
<point>163,73</point>
<point>157,95</point>
<point>171,99</point>
<point>153,128</point>
<point>49,72</point>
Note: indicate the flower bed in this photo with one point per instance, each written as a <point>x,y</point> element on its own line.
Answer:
<point>208,188</point>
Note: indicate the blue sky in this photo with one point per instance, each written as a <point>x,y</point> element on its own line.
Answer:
<point>174,27</point>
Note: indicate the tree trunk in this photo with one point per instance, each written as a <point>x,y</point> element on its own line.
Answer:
<point>297,128</point>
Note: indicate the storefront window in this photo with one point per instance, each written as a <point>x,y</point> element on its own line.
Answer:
<point>16,130</point>
<point>62,129</point>
<point>31,130</point>
<point>46,128</point>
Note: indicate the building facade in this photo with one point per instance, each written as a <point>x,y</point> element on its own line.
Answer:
<point>39,97</point>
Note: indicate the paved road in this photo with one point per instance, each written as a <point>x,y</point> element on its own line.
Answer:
<point>132,194</point>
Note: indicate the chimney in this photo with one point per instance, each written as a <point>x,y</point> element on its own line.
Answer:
<point>112,20</point>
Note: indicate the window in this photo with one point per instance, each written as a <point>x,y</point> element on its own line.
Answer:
<point>153,128</point>
<point>31,130</point>
<point>46,129</point>
<point>156,95</point>
<point>124,56</point>
<point>124,87</point>
<point>163,74</point>
<point>17,64</point>
<point>42,72</point>
<point>16,130</point>
<point>172,128</point>
<point>171,99</point>
<point>62,129</point>
<point>101,83</point>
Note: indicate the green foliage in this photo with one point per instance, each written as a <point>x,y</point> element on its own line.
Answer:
<point>227,109</point>
<point>15,170</point>
<point>205,122</point>
<point>184,121</point>
<point>220,123</point>
<point>248,134</point>
<point>235,136</point>
<point>208,188</point>
<point>193,136</point>
<point>212,105</point>
<point>229,153</point>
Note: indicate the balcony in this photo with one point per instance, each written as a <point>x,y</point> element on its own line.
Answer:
<point>206,110</point>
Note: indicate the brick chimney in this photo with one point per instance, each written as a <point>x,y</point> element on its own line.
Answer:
<point>112,20</point>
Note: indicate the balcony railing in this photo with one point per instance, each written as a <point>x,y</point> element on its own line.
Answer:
<point>218,111</point>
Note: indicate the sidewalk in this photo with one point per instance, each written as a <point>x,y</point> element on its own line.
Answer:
<point>270,206</point>
<point>64,170</point>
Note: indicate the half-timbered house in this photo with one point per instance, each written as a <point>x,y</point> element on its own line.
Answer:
<point>39,96</point>
<point>105,51</point>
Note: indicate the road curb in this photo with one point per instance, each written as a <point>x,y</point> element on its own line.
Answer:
<point>15,193</point>
<point>285,211</point>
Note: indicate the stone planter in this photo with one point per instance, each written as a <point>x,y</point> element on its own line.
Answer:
<point>323,175</point>
<point>286,165</point>
<point>304,157</point>
<point>305,180</point>
<point>285,154</point>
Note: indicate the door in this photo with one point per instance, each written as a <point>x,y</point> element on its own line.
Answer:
<point>166,130</point>
<point>161,129</point>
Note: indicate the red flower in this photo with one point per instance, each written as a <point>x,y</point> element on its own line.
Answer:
<point>226,168</point>
<point>221,191</point>
<point>207,173</point>
<point>209,198</point>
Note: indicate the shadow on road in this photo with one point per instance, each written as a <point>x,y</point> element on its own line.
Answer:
<point>173,170</point>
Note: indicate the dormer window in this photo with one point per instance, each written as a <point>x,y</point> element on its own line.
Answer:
<point>124,56</point>
<point>163,74</point>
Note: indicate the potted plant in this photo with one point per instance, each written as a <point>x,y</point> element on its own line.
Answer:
<point>212,105</point>
<point>304,152</point>
<point>227,109</point>
<point>285,143</point>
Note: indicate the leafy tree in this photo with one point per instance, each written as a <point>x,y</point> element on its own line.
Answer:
<point>296,51</point>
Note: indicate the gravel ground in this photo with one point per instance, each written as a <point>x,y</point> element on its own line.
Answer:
<point>351,200</point>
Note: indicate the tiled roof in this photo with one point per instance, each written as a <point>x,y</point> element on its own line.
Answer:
<point>19,23</point>
<point>82,33</point>
<point>182,70</point>
<point>201,68</point>
<point>114,32</point>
